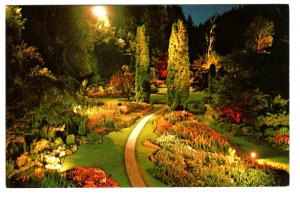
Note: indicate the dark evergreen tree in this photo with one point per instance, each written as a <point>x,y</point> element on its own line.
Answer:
<point>178,68</point>
<point>142,67</point>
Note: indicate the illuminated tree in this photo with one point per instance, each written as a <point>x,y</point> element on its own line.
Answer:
<point>260,35</point>
<point>210,36</point>
<point>142,67</point>
<point>123,82</point>
<point>178,68</point>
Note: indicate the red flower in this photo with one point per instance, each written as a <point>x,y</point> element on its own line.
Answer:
<point>90,177</point>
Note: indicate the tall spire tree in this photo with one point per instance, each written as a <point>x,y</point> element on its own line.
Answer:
<point>142,67</point>
<point>178,68</point>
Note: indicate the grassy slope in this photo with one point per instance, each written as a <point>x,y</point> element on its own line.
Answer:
<point>109,156</point>
<point>160,97</point>
<point>142,154</point>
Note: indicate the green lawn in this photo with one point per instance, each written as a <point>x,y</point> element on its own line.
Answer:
<point>160,96</point>
<point>194,101</point>
<point>113,100</point>
<point>109,156</point>
<point>142,153</point>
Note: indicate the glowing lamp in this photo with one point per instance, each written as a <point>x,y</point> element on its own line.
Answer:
<point>100,12</point>
<point>253,155</point>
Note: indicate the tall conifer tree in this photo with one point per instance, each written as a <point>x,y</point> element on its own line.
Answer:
<point>178,68</point>
<point>142,67</point>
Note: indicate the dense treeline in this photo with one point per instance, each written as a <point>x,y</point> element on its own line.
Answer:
<point>271,70</point>
<point>59,32</point>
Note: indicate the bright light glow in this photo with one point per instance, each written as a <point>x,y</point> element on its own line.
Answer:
<point>100,12</point>
<point>253,155</point>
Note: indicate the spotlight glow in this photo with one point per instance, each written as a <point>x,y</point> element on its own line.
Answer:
<point>253,155</point>
<point>100,12</point>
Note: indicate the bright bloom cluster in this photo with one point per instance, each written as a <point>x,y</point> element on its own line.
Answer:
<point>193,133</point>
<point>90,178</point>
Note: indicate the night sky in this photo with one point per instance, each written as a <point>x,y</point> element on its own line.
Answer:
<point>200,13</point>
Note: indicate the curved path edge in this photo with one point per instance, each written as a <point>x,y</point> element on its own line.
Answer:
<point>132,169</point>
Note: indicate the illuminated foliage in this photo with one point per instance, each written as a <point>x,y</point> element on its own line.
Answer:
<point>123,82</point>
<point>178,68</point>
<point>260,35</point>
<point>142,67</point>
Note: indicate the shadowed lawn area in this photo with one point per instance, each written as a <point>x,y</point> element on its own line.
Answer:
<point>113,100</point>
<point>160,96</point>
<point>109,156</point>
<point>195,103</point>
<point>142,154</point>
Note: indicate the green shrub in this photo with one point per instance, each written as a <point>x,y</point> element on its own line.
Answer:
<point>270,132</point>
<point>154,88</point>
<point>94,138</point>
<point>107,122</point>
<point>57,142</point>
<point>283,131</point>
<point>83,129</point>
<point>275,120</point>
<point>53,180</point>
<point>10,166</point>
<point>70,139</point>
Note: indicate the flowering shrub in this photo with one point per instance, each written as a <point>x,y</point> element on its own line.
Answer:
<point>200,136</point>
<point>111,117</point>
<point>233,113</point>
<point>279,139</point>
<point>276,128</point>
<point>90,178</point>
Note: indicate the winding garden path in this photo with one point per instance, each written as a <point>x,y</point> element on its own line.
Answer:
<point>132,169</point>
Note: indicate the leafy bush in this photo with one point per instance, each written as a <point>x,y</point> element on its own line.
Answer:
<point>53,180</point>
<point>10,166</point>
<point>275,123</point>
<point>94,138</point>
<point>154,88</point>
<point>70,139</point>
<point>83,129</point>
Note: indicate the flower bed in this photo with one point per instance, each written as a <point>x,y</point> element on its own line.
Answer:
<point>193,133</point>
<point>179,165</point>
<point>110,117</point>
<point>193,155</point>
<point>90,177</point>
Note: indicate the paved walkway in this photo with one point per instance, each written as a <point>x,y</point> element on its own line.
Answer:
<point>132,169</point>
